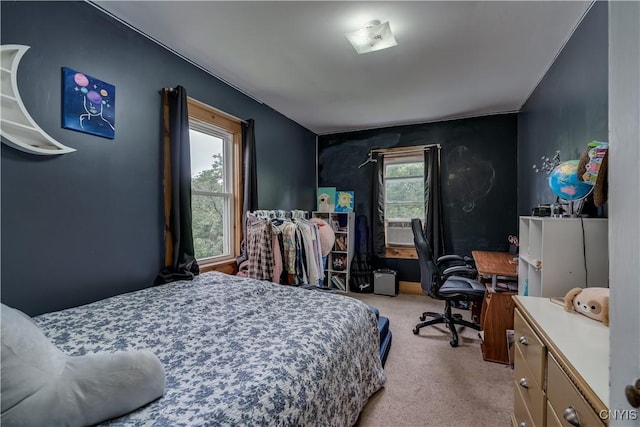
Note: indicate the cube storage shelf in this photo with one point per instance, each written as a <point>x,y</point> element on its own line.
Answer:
<point>558,254</point>
<point>338,264</point>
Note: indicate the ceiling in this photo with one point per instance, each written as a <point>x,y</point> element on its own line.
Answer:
<point>454,59</point>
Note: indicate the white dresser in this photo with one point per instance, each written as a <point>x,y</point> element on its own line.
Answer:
<point>561,375</point>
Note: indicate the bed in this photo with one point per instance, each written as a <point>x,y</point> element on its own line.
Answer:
<point>236,351</point>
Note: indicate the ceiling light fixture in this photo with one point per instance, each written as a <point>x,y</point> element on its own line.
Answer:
<point>374,36</point>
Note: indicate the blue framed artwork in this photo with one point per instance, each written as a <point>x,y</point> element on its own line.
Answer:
<point>88,104</point>
<point>345,201</point>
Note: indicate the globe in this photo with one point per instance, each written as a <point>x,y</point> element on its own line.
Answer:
<point>565,184</point>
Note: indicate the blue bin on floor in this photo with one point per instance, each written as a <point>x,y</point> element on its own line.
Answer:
<point>385,335</point>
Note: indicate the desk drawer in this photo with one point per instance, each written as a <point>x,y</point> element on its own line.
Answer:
<point>563,394</point>
<point>533,350</point>
<point>530,390</point>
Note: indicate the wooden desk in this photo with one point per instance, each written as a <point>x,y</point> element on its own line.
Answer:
<point>497,308</point>
<point>495,264</point>
<point>496,318</point>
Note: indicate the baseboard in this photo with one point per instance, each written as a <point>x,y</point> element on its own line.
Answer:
<point>410,288</point>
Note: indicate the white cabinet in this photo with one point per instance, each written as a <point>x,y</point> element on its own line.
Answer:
<point>557,254</point>
<point>338,265</point>
<point>561,366</point>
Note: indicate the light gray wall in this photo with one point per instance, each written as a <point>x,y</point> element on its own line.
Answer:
<point>624,201</point>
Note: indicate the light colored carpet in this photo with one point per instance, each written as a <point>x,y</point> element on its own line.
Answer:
<point>430,383</point>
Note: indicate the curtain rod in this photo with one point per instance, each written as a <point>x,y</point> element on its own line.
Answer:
<point>392,152</point>
<point>406,149</point>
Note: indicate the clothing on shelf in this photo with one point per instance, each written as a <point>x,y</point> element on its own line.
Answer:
<point>283,247</point>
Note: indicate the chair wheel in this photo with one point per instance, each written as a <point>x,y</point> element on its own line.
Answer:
<point>453,343</point>
<point>422,317</point>
<point>416,331</point>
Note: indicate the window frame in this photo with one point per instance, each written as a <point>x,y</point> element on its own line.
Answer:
<point>400,155</point>
<point>210,116</point>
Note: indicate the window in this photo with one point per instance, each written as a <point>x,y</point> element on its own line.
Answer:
<point>403,197</point>
<point>215,184</point>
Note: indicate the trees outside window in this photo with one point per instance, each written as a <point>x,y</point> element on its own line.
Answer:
<point>404,198</point>
<point>210,200</point>
<point>215,180</point>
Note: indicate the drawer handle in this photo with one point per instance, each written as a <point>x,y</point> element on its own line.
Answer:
<point>523,340</point>
<point>523,382</point>
<point>522,424</point>
<point>571,415</point>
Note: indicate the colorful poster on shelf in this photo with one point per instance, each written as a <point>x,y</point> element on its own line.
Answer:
<point>345,201</point>
<point>326,199</point>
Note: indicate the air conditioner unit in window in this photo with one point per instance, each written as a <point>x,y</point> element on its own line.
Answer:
<point>399,233</point>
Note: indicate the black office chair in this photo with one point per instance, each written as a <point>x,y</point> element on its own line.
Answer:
<point>448,278</point>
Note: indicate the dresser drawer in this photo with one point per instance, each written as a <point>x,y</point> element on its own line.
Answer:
<point>552,418</point>
<point>530,391</point>
<point>562,394</point>
<point>520,410</point>
<point>533,350</point>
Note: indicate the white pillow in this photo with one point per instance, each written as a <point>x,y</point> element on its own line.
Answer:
<point>43,386</point>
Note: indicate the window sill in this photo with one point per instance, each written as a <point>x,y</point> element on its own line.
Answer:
<point>401,252</point>
<point>226,266</point>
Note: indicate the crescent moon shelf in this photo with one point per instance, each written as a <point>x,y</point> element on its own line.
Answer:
<point>17,127</point>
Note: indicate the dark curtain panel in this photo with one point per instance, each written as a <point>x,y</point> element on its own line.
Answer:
<point>250,177</point>
<point>377,208</point>
<point>180,260</point>
<point>433,229</point>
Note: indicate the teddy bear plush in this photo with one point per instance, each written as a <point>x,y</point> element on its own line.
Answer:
<point>592,302</point>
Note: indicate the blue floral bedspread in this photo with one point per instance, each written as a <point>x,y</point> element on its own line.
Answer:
<point>236,351</point>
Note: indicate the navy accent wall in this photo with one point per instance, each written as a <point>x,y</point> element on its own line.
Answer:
<point>89,224</point>
<point>478,161</point>
<point>568,109</point>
